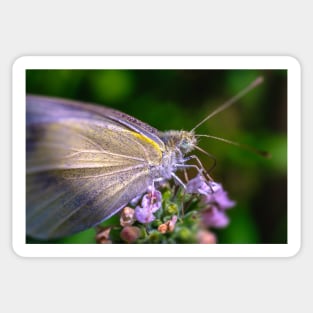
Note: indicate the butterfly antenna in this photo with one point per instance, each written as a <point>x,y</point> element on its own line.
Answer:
<point>262,153</point>
<point>228,103</point>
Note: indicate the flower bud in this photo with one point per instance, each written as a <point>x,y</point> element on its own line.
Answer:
<point>130,234</point>
<point>163,228</point>
<point>154,237</point>
<point>127,217</point>
<point>184,235</point>
<point>206,237</point>
<point>171,209</point>
<point>171,223</point>
<point>103,235</point>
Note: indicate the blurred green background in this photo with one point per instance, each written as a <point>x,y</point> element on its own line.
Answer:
<point>179,99</point>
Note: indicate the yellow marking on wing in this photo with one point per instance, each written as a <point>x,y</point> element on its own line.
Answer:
<point>149,141</point>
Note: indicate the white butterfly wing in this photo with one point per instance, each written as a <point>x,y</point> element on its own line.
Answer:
<point>83,165</point>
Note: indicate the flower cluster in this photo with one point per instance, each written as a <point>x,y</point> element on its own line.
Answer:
<point>172,215</point>
<point>214,199</point>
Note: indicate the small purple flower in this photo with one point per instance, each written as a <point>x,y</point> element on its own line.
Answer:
<point>215,198</point>
<point>221,199</point>
<point>214,186</point>
<point>198,185</point>
<point>214,217</point>
<point>150,203</point>
<point>152,200</point>
<point>144,215</point>
<point>212,192</point>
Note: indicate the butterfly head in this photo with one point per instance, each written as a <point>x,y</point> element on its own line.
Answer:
<point>184,141</point>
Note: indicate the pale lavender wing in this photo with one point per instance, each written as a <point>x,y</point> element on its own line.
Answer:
<point>82,166</point>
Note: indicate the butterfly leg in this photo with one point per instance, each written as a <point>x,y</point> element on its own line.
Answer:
<point>200,168</point>
<point>178,180</point>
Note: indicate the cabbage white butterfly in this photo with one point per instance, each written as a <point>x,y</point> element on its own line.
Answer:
<point>85,162</point>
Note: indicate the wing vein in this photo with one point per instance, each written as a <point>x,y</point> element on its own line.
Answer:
<point>105,174</point>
